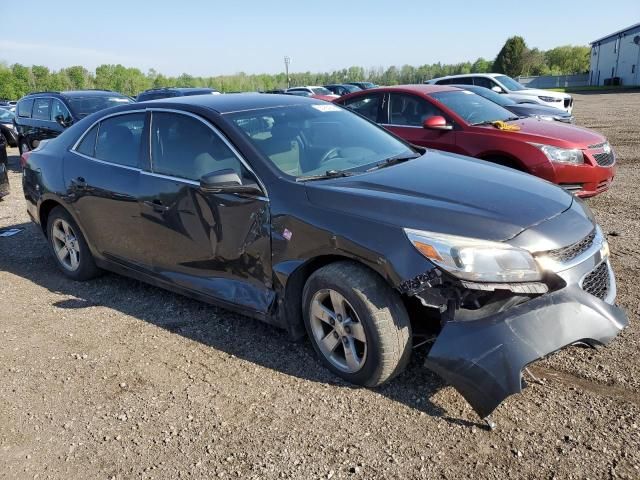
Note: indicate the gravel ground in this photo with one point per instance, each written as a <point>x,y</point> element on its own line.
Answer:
<point>116,379</point>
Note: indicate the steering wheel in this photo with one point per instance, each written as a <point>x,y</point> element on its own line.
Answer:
<point>332,153</point>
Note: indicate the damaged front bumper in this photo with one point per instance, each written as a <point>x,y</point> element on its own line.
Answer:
<point>484,359</point>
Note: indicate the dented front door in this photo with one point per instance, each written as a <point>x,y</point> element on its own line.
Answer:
<point>214,244</point>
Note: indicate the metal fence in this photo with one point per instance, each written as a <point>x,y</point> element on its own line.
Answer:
<point>555,81</point>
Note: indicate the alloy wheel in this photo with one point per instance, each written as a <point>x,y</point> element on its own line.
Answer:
<point>337,331</point>
<point>65,244</point>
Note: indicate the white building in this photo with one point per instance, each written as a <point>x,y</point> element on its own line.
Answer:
<point>616,56</point>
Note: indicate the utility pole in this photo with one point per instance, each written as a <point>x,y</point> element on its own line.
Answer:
<point>287,60</point>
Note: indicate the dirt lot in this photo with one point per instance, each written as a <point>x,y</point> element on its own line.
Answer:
<point>116,379</point>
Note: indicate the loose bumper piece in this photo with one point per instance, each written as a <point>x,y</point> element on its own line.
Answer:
<point>483,359</point>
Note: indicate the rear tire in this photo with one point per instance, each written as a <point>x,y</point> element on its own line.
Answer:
<point>358,325</point>
<point>68,246</point>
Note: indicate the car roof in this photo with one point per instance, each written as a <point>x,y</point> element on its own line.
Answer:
<point>414,88</point>
<point>465,75</point>
<point>77,93</point>
<point>180,89</point>
<point>236,102</point>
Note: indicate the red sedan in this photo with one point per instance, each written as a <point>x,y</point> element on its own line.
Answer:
<point>459,121</point>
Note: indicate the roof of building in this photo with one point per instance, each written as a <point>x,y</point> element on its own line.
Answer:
<point>616,33</point>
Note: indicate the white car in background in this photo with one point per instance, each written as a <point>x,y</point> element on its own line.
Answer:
<point>501,83</point>
<point>312,90</point>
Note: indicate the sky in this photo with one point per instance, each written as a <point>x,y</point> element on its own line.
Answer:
<point>208,38</point>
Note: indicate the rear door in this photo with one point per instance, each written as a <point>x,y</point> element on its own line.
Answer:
<point>102,175</point>
<point>370,105</point>
<point>405,116</point>
<point>217,245</point>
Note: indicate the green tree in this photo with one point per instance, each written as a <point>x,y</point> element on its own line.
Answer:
<point>510,59</point>
<point>481,66</point>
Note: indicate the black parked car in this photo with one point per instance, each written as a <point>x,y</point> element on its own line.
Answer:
<point>44,115</point>
<point>363,85</point>
<point>521,109</point>
<point>342,89</point>
<point>4,176</point>
<point>7,128</point>
<point>156,93</point>
<point>305,215</point>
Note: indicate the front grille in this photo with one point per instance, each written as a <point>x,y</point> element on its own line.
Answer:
<point>566,254</point>
<point>597,282</point>
<point>603,184</point>
<point>604,159</point>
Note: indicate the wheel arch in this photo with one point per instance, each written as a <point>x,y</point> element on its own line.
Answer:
<point>45,209</point>
<point>504,159</point>
<point>290,304</point>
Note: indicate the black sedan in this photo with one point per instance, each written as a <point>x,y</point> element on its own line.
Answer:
<point>4,175</point>
<point>535,110</point>
<point>7,128</point>
<point>307,216</point>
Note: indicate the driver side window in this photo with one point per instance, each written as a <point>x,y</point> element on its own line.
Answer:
<point>58,109</point>
<point>185,147</point>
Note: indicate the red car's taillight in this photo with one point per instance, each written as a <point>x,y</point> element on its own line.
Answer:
<point>24,158</point>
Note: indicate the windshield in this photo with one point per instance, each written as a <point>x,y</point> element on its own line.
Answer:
<point>83,106</point>
<point>473,108</point>
<point>509,82</point>
<point>321,91</point>
<point>490,95</point>
<point>6,115</point>
<point>313,139</point>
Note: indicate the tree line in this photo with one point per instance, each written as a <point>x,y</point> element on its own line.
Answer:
<point>514,59</point>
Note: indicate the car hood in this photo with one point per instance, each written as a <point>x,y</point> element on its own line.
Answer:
<point>551,133</point>
<point>445,193</point>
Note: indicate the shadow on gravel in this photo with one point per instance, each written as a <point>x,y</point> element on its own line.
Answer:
<point>27,255</point>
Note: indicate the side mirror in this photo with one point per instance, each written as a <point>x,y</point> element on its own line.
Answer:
<point>226,181</point>
<point>437,122</point>
<point>497,89</point>
<point>62,121</point>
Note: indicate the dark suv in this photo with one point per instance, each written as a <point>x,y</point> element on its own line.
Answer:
<point>156,93</point>
<point>44,115</point>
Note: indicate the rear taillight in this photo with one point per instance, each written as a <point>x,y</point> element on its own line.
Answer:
<point>24,158</point>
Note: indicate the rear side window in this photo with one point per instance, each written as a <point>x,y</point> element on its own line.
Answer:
<point>366,106</point>
<point>119,139</point>
<point>461,81</point>
<point>88,144</point>
<point>42,109</point>
<point>182,146</point>
<point>411,110</point>
<point>24,107</point>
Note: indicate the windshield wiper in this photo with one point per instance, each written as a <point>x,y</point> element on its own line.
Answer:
<point>491,122</point>
<point>394,160</point>
<point>327,174</point>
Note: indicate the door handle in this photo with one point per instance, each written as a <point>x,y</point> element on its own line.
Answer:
<point>79,183</point>
<point>156,205</point>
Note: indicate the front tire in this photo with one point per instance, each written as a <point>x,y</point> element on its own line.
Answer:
<point>69,248</point>
<point>358,325</point>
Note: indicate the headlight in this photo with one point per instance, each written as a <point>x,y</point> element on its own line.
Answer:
<point>550,99</point>
<point>561,155</point>
<point>545,117</point>
<point>474,259</point>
